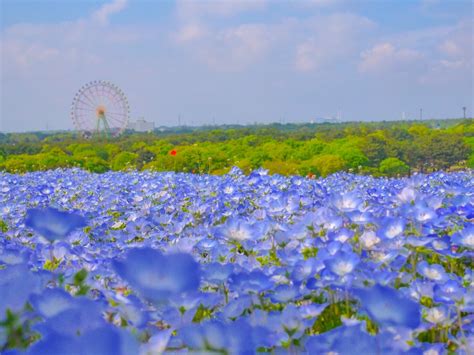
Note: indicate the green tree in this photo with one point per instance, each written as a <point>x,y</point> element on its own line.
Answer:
<point>325,165</point>
<point>123,160</point>
<point>375,147</point>
<point>96,165</point>
<point>393,166</point>
<point>444,150</point>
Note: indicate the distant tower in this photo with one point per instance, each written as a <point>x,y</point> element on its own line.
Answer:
<point>421,114</point>
<point>464,110</point>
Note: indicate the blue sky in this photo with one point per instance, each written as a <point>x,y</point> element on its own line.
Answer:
<point>237,61</point>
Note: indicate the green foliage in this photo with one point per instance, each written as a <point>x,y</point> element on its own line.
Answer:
<point>470,162</point>
<point>393,167</point>
<point>327,164</point>
<point>123,161</point>
<point>52,264</point>
<point>17,332</point>
<point>3,226</point>
<point>95,165</point>
<point>330,317</point>
<point>201,314</point>
<point>378,148</point>
<point>80,283</point>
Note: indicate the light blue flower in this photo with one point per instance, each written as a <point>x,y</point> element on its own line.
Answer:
<point>157,276</point>
<point>343,340</point>
<point>388,307</point>
<point>52,223</point>
<point>104,340</point>
<point>464,237</point>
<point>17,283</point>
<point>432,271</point>
<point>343,263</point>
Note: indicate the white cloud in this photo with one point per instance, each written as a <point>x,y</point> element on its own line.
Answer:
<point>240,45</point>
<point>330,38</point>
<point>102,15</point>
<point>386,57</point>
<point>21,55</point>
<point>191,32</point>
<point>312,42</point>
<point>452,64</point>
<point>28,48</point>
<point>457,46</point>
<point>258,55</point>
<point>192,10</point>
<point>433,55</point>
<point>450,48</point>
<point>319,3</point>
<point>228,49</point>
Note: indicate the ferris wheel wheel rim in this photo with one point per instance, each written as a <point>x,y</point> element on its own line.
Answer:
<point>119,99</point>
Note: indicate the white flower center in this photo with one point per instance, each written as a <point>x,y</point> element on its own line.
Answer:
<point>433,274</point>
<point>393,231</point>
<point>435,315</point>
<point>343,267</point>
<point>469,240</point>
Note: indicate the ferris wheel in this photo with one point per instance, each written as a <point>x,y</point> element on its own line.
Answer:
<point>101,108</point>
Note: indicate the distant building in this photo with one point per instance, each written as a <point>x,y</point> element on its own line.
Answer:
<point>140,125</point>
<point>325,120</point>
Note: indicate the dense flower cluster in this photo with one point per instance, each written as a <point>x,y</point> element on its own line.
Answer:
<point>142,262</point>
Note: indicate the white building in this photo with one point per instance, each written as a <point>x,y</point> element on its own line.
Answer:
<point>140,125</point>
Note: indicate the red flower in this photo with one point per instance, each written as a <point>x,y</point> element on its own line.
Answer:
<point>173,152</point>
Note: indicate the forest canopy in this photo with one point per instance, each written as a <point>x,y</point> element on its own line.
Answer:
<point>377,148</point>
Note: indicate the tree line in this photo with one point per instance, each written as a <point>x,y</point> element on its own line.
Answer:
<point>377,148</point>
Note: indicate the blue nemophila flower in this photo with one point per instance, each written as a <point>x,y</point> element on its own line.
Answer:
<point>342,263</point>
<point>388,307</point>
<point>157,343</point>
<point>422,213</point>
<point>407,194</point>
<point>52,223</point>
<point>255,281</point>
<point>464,237</point>
<point>432,271</point>
<point>303,269</point>
<point>13,256</point>
<point>131,309</point>
<point>292,323</point>
<point>213,336</point>
<point>236,307</point>
<point>284,294</point>
<point>347,202</point>
<point>449,292</point>
<point>308,243</point>
<point>157,276</point>
<point>70,316</point>
<point>436,315</point>
<point>216,273</point>
<point>343,340</point>
<point>17,283</point>
<point>104,340</point>
<point>368,240</point>
<point>235,230</point>
<point>391,227</point>
<point>52,301</point>
<point>46,189</point>
<point>341,235</point>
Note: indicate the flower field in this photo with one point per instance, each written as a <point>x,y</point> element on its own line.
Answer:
<point>142,262</point>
